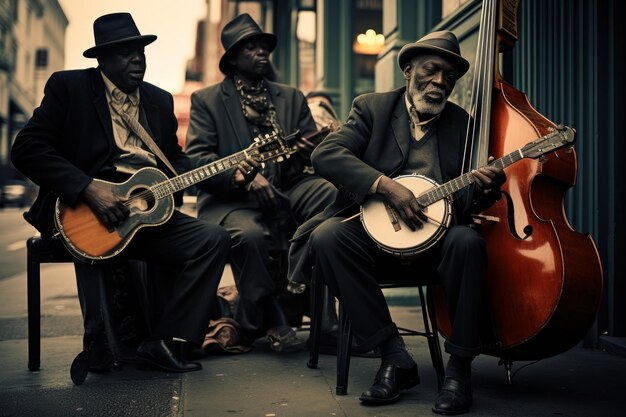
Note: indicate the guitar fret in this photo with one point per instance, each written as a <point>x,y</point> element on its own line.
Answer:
<point>155,191</point>
<point>192,177</point>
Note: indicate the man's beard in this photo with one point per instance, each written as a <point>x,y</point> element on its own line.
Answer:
<point>426,106</point>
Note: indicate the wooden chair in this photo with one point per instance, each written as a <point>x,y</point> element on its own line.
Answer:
<point>344,337</point>
<point>38,251</point>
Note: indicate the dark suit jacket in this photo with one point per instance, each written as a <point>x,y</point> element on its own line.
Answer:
<point>374,141</point>
<point>69,138</point>
<point>218,128</point>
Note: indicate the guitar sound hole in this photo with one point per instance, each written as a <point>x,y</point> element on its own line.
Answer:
<point>141,199</point>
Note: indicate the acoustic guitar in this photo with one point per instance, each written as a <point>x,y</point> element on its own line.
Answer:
<point>148,193</point>
<point>383,224</point>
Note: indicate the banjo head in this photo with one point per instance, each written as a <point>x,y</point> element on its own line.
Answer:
<point>400,240</point>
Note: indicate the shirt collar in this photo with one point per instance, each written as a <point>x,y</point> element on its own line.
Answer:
<point>118,95</point>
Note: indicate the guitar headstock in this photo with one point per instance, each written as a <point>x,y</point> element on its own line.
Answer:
<point>560,137</point>
<point>271,146</point>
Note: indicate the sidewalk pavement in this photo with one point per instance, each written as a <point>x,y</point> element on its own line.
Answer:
<point>263,383</point>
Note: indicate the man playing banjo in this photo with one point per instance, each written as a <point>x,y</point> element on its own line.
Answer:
<point>408,131</point>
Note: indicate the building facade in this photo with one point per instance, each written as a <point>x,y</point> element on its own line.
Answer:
<point>32,47</point>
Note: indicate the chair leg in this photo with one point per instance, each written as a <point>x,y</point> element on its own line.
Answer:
<point>430,329</point>
<point>107,318</point>
<point>317,302</point>
<point>344,346</point>
<point>34,305</point>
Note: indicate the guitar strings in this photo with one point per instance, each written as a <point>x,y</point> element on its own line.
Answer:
<point>149,194</point>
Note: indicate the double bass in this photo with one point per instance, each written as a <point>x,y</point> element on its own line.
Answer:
<point>544,282</point>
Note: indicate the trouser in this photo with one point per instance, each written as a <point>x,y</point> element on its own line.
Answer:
<point>196,250</point>
<point>254,237</point>
<point>349,261</point>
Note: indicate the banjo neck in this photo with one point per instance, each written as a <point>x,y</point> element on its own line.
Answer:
<point>447,189</point>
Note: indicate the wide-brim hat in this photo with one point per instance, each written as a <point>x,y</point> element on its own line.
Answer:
<point>443,43</point>
<point>114,29</point>
<point>241,28</point>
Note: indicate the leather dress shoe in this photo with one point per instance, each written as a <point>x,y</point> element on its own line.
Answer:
<point>389,381</point>
<point>455,397</point>
<point>158,354</point>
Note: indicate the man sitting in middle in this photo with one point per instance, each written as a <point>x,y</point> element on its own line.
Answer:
<point>255,203</point>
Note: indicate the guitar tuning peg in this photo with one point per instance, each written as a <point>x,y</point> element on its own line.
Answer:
<point>256,139</point>
<point>280,159</point>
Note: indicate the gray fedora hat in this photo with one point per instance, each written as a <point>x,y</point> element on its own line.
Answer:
<point>443,43</point>
<point>239,29</point>
<point>114,29</point>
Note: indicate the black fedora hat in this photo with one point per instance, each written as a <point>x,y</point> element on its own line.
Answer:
<point>113,29</point>
<point>443,43</point>
<point>242,27</point>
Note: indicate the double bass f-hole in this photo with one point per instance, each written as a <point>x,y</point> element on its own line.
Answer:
<point>510,216</point>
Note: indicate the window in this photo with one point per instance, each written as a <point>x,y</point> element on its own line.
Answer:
<point>41,58</point>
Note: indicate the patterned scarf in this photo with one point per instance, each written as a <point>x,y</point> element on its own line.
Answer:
<point>256,105</point>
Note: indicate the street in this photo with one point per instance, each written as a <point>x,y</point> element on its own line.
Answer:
<point>15,231</point>
<point>60,310</point>
<point>579,383</point>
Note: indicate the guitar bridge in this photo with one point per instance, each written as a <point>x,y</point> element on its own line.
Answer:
<point>479,218</point>
<point>393,218</point>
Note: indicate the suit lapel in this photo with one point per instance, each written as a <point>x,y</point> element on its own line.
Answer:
<point>401,132</point>
<point>105,133</point>
<point>450,150</point>
<point>151,113</point>
<point>236,118</point>
<point>101,105</point>
<point>279,103</point>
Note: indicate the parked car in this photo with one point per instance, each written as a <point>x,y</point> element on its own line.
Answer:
<point>17,193</point>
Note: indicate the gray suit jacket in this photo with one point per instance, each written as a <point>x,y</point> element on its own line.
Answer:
<point>218,128</point>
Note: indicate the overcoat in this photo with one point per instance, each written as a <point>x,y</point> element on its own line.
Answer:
<point>69,140</point>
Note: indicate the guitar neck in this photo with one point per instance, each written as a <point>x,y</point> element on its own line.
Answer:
<point>445,190</point>
<point>186,180</point>
<point>284,146</point>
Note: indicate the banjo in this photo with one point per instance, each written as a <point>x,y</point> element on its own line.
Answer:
<point>383,224</point>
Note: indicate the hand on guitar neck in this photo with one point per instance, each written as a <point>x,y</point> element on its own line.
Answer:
<point>245,172</point>
<point>489,178</point>
<point>108,207</point>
